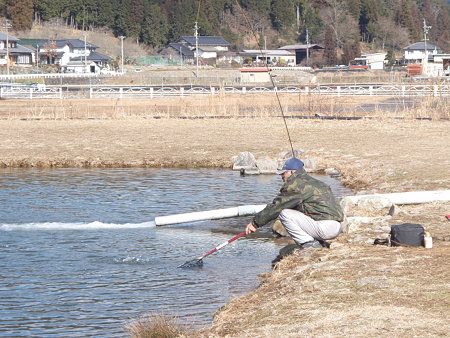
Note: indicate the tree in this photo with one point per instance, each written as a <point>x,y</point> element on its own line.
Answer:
<point>350,50</point>
<point>329,53</point>
<point>343,25</point>
<point>282,14</point>
<point>154,28</point>
<point>21,13</point>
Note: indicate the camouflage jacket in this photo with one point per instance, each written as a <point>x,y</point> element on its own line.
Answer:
<point>303,193</point>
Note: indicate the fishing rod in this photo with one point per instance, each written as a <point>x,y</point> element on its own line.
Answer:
<point>270,75</point>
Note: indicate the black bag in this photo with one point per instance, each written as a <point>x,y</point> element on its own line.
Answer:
<point>407,234</point>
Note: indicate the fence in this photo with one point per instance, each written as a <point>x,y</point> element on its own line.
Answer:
<point>34,92</point>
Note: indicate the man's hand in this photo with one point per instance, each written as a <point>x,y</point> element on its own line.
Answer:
<point>250,228</point>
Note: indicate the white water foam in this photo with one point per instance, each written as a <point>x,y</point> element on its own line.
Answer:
<point>74,226</point>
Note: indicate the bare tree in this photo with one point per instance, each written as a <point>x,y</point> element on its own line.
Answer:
<point>337,17</point>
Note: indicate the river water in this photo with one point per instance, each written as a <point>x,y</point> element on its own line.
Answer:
<point>80,255</point>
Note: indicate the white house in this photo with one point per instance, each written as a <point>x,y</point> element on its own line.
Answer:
<point>417,52</point>
<point>270,56</point>
<point>71,55</point>
<point>372,61</point>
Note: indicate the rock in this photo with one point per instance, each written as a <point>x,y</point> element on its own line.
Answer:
<point>278,229</point>
<point>358,224</point>
<point>375,203</point>
<point>250,171</point>
<point>394,210</point>
<point>310,164</point>
<point>332,172</point>
<point>267,165</point>
<point>347,205</point>
<point>297,153</point>
<point>245,160</point>
<point>335,245</point>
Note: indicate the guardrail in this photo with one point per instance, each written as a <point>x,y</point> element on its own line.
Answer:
<point>56,76</point>
<point>34,92</point>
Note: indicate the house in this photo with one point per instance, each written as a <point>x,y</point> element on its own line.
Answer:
<point>371,61</point>
<point>277,57</point>
<point>70,55</point>
<point>14,54</point>
<point>302,52</point>
<point>255,75</point>
<point>417,52</point>
<point>444,60</point>
<point>211,50</point>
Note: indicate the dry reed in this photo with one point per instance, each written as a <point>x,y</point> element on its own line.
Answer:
<point>156,326</point>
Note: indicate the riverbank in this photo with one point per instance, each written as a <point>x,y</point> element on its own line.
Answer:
<point>353,289</point>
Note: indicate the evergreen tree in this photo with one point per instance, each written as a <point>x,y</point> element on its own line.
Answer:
<point>182,16</point>
<point>20,12</point>
<point>154,28</point>
<point>283,14</point>
<point>329,54</point>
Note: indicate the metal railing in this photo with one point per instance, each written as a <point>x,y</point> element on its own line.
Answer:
<point>34,92</point>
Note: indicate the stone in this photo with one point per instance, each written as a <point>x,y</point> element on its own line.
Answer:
<point>278,229</point>
<point>394,210</point>
<point>335,245</point>
<point>297,153</point>
<point>250,171</point>
<point>267,165</point>
<point>346,205</point>
<point>332,172</point>
<point>375,203</point>
<point>359,224</point>
<point>310,164</point>
<point>245,160</point>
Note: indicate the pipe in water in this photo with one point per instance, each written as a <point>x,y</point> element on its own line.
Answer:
<point>413,197</point>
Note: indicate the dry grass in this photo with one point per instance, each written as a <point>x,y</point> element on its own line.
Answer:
<point>227,106</point>
<point>156,326</point>
<point>351,290</point>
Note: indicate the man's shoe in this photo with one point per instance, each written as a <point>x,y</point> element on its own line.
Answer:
<point>312,244</point>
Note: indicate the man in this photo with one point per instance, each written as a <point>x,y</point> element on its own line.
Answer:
<point>305,206</point>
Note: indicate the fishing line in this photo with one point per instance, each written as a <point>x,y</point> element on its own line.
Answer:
<point>270,75</point>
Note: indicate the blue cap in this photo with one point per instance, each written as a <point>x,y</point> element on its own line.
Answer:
<point>291,164</point>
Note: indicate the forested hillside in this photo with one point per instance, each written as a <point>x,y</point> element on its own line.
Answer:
<point>336,24</point>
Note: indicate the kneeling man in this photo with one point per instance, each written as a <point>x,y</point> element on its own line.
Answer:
<point>305,206</point>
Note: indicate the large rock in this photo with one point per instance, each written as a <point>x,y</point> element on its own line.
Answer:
<point>363,224</point>
<point>267,165</point>
<point>245,160</point>
<point>368,206</point>
<point>375,203</point>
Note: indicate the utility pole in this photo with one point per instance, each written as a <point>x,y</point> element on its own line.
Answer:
<point>196,48</point>
<point>7,26</point>
<point>307,47</point>
<point>37,58</point>
<point>121,49</point>
<point>85,54</point>
<point>425,33</point>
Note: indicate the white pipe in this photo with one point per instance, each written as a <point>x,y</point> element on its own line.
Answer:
<point>244,210</point>
<point>412,197</point>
